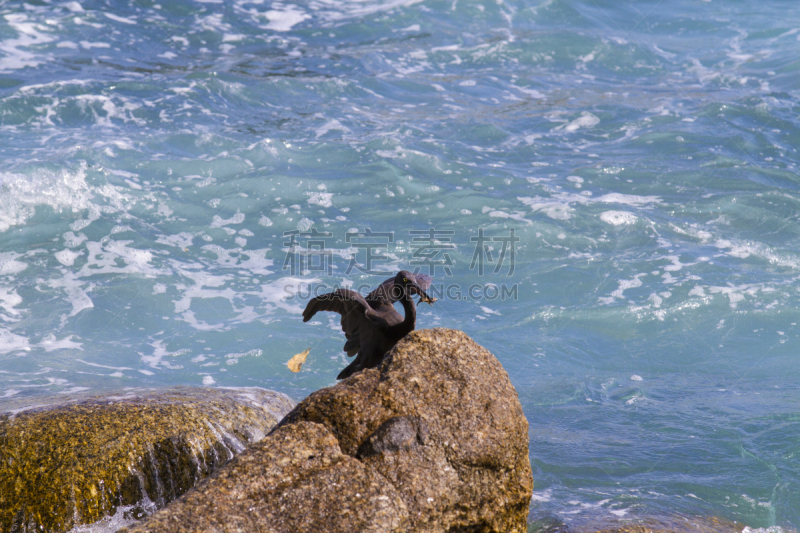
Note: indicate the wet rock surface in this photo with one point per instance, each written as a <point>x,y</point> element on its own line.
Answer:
<point>434,440</point>
<point>71,464</point>
<point>297,479</point>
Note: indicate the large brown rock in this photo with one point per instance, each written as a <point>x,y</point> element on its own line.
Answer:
<point>295,480</point>
<point>435,440</point>
<point>70,464</point>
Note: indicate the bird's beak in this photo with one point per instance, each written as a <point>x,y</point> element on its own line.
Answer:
<point>423,296</point>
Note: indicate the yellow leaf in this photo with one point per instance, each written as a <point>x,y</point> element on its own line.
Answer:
<point>296,362</point>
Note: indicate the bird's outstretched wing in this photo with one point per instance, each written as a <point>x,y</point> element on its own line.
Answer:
<point>342,301</point>
<point>355,311</point>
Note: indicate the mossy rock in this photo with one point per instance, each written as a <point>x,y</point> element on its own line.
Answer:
<point>71,464</point>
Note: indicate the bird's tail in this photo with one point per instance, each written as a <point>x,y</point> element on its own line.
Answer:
<point>349,370</point>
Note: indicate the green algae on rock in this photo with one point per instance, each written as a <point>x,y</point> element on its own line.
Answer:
<point>66,465</point>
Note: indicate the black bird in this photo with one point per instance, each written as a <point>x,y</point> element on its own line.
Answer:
<point>372,325</point>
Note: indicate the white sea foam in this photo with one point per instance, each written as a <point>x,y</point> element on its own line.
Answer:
<point>206,285</point>
<point>17,52</point>
<point>74,290</point>
<point>533,93</point>
<point>516,215</point>
<point>88,45</point>
<point>251,353</point>
<point>71,240</point>
<point>697,290</point>
<point>737,293</point>
<point>553,208</point>
<point>618,218</point>
<point>256,261</point>
<point>20,193</point>
<point>9,299</point>
<point>9,264</point>
<point>103,366</point>
<point>117,18</point>
<point>542,496</point>
<point>225,257</point>
<point>49,343</point>
<point>73,390</point>
<point>219,222</point>
<point>676,264</point>
<point>586,120</point>
<point>336,10</point>
<point>280,293</point>
<point>744,249</point>
<point>116,107</point>
<point>11,342</point>
<point>180,240</point>
<point>200,289</point>
<point>110,524</point>
<point>104,258</point>
<point>305,224</point>
<point>332,124</point>
<point>322,199</point>
<point>627,199</point>
<point>558,206</point>
<point>283,18</point>
<point>626,284</point>
<point>67,257</point>
<point>156,358</point>
<point>693,231</point>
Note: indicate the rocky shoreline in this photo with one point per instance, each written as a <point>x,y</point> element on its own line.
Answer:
<point>434,440</point>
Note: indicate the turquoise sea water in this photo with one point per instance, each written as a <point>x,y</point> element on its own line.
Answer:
<point>644,153</point>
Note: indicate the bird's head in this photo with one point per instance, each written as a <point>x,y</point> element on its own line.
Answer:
<point>406,283</point>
